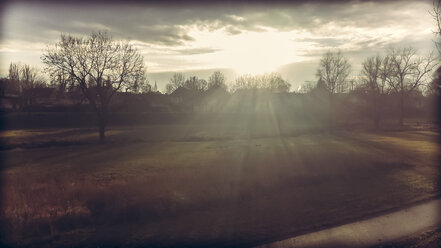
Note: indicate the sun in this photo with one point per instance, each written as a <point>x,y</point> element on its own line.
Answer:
<point>248,52</point>
<point>254,63</point>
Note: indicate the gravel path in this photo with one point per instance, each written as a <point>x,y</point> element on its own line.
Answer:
<point>371,232</point>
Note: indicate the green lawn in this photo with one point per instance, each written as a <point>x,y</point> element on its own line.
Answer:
<point>204,185</point>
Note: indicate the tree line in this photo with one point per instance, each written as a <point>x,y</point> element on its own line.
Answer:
<point>100,66</point>
<point>399,71</point>
<point>270,81</point>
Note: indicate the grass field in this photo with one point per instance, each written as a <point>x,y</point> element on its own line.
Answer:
<point>165,186</point>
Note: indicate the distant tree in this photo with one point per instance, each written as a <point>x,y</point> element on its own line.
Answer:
<point>436,13</point>
<point>272,82</point>
<point>99,66</point>
<point>409,72</point>
<point>14,73</point>
<point>196,84</point>
<point>61,81</point>
<point>245,82</point>
<point>15,76</point>
<point>352,84</point>
<point>139,85</point>
<point>216,80</point>
<point>26,79</point>
<point>375,73</point>
<point>434,88</point>
<point>319,89</point>
<point>333,69</point>
<point>276,83</point>
<point>28,83</point>
<point>306,87</point>
<point>176,81</point>
<point>192,83</point>
<point>146,88</point>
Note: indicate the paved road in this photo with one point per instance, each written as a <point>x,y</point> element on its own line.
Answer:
<point>375,231</point>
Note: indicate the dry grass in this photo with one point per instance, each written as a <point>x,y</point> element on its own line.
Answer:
<point>207,191</point>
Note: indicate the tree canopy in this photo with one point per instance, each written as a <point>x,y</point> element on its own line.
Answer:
<point>99,65</point>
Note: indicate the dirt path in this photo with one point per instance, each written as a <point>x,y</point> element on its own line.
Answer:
<point>375,231</point>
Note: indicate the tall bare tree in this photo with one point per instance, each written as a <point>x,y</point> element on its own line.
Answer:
<point>176,81</point>
<point>436,13</point>
<point>334,69</point>
<point>272,82</point>
<point>26,79</point>
<point>276,83</point>
<point>14,71</point>
<point>375,73</point>
<point>60,81</point>
<point>14,75</point>
<point>409,72</point>
<point>99,66</point>
<point>196,84</point>
<point>435,86</point>
<point>216,80</point>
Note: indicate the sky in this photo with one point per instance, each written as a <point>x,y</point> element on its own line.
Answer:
<point>234,37</point>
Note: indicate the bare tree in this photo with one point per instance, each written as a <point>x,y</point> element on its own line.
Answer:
<point>409,72</point>
<point>145,87</point>
<point>375,72</point>
<point>61,82</point>
<point>196,84</point>
<point>176,81</point>
<point>26,79</point>
<point>98,65</point>
<point>139,85</point>
<point>434,88</point>
<point>29,82</point>
<point>192,83</point>
<point>14,71</point>
<point>272,82</point>
<point>276,83</point>
<point>216,80</point>
<point>333,69</point>
<point>436,13</point>
<point>14,76</point>
<point>245,82</point>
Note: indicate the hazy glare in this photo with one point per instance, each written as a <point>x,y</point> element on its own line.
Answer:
<point>220,125</point>
<point>244,39</point>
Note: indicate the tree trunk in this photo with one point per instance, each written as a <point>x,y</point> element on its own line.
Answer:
<point>331,109</point>
<point>377,111</point>
<point>102,122</point>
<point>102,130</point>
<point>401,121</point>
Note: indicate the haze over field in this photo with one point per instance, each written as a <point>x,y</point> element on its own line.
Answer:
<point>235,124</point>
<point>236,38</point>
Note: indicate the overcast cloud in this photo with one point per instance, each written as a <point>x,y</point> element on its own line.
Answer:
<point>179,37</point>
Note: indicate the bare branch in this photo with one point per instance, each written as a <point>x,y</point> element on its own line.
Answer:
<point>97,64</point>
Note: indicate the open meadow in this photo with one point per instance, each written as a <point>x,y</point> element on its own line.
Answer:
<point>205,185</point>
<point>220,123</point>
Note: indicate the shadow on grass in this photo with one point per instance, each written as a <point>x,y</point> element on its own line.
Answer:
<point>275,189</point>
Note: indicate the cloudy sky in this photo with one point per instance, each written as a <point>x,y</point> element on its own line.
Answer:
<point>238,38</point>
